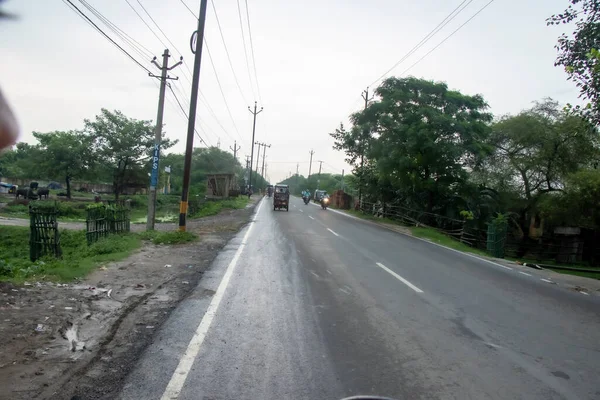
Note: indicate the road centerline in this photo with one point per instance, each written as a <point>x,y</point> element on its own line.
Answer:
<point>332,232</point>
<point>401,279</point>
<point>310,217</point>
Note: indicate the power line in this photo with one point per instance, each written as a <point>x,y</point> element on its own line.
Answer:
<point>189,9</point>
<point>184,113</point>
<point>168,40</point>
<point>134,44</point>
<point>252,50</point>
<point>206,103</point>
<point>227,51</point>
<point>221,89</point>
<point>245,50</point>
<point>432,33</point>
<point>145,23</point>
<point>447,37</point>
<point>82,14</point>
<point>161,31</point>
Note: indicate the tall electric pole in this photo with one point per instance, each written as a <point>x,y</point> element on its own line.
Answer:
<point>264,145</point>
<point>235,148</point>
<point>342,180</point>
<point>258,156</point>
<point>254,113</point>
<point>247,169</point>
<point>310,163</point>
<point>189,145</point>
<point>365,96</point>
<point>164,69</point>
<point>319,176</point>
<point>297,173</point>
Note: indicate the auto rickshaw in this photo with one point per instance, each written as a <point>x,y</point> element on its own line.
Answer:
<point>281,197</point>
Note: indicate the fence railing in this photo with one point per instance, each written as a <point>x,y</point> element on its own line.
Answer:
<point>44,238</point>
<point>102,220</point>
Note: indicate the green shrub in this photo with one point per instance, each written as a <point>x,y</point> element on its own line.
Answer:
<point>170,237</point>
<point>77,258</point>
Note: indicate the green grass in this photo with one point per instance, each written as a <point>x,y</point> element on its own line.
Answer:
<point>215,207</point>
<point>78,258</point>
<point>444,240</point>
<point>593,275</point>
<point>370,217</point>
<point>170,237</point>
<point>67,210</point>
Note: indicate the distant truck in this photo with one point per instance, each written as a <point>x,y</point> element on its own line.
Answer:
<point>319,195</point>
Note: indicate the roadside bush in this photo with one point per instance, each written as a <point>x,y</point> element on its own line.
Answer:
<point>77,258</point>
<point>170,237</point>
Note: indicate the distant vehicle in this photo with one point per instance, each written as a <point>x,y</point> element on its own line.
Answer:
<point>319,195</point>
<point>281,197</point>
<point>269,190</point>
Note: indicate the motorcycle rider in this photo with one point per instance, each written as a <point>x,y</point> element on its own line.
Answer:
<point>306,193</point>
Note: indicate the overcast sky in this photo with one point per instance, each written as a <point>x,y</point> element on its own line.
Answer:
<point>313,60</point>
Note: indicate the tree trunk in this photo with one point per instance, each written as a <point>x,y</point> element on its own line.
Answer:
<point>68,182</point>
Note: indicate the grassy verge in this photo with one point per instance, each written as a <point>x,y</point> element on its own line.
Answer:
<point>444,240</point>
<point>593,275</point>
<point>370,217</point>
<point>78,258</point>
<point>215,207</point>
<point>170,237</point>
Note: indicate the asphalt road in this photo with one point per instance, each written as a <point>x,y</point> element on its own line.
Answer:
<point>311,304</point>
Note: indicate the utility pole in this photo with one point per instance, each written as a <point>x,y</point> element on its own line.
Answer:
<point>219,143</point>
<point>319,176</point>
<point>297,167</point>
<point>342,180</point>
<point>189,145</point>
<point>235,148</point>
<point>310,164</point>
<point>254,113</point>
<point>247,169</point>
<point>264,145</point>
<point>164,69</point>
<point>258,156</point>
<point>365,96</point>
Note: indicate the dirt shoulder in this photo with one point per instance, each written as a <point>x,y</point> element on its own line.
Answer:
<point>80,339</point>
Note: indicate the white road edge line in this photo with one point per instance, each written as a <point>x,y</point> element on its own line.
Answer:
<point>547,280</point>
<point>310,217</point>
<point>586,293</point>
<point>423,240</point>
<point>332,232</point>
<point>524,273</point>
<point>401,279</point>
<point>186,362</point>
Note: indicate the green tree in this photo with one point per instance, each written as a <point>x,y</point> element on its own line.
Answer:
<point>422,138</point>
<point>534,153</point>
<point>122,146</point>
<point>21,162</point>
<point>64,155</point>
<point>579,52</point>
<point>536,149</point>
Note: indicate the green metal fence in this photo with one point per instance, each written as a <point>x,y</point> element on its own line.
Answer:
<point>44,238</point>
<point>102,220</point>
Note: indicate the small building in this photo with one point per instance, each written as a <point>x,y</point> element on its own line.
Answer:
<point>220,186</point>
<point>341,200</point>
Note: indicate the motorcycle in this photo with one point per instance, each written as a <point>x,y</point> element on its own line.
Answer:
<point>306,199</point>
<point>324,203</point>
